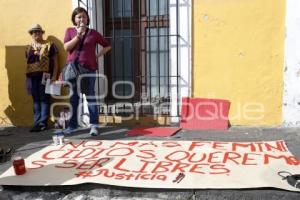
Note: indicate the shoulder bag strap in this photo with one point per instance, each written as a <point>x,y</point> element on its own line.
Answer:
<point>81,45</point>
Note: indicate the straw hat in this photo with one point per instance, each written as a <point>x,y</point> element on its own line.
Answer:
<point>36,27</point>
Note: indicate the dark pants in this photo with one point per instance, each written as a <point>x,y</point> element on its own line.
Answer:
<point>41,101</point>
<point>87,88</point>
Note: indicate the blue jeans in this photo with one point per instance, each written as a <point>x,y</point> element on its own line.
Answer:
<point>41,101</point>
<point>87,88</point>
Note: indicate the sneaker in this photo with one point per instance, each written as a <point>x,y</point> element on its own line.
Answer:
<point>94,131</point>
<point>69,130</point>
<point>38,128</point>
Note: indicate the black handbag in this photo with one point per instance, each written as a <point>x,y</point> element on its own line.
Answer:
<point>292,179</point>
<point>73,69</point>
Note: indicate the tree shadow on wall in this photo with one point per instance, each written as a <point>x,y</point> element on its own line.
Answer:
<point>19,110</point>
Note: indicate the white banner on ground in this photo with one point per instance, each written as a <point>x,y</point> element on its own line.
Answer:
<point>160,164</point>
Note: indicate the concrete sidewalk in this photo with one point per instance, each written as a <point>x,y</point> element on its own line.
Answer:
<point>28,143</point>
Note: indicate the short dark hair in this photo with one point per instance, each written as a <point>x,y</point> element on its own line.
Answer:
<point>77,11</point>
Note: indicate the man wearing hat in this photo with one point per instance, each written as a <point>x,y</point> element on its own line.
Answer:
<point>42,63</point>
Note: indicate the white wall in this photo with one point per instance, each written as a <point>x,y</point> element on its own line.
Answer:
<point>184,53</point>
<point>291,99</point>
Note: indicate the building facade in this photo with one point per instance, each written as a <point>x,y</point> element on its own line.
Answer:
<point>246,52</point>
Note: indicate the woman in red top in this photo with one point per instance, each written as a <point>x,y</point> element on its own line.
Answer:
<point>88,60</point>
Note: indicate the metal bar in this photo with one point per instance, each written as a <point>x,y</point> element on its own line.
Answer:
<point>144,66</point>
<point>96,19</point>
<point>123,44</point>
<point>149,76</point>
<point>149,33</point>
<point>103,18</point>
<point>81,2</point>
<point>87,5</point>
<point>166,35</point>
<point>158,50</point>
<point>104,14</point>
<point>114,39</point>
<point>96,14</point>
<point>140,47</point>
<point>96,26</point>
<point>177,52</point>
<point>168,54</point>
<point>139,17</point>
<point>131,43</point>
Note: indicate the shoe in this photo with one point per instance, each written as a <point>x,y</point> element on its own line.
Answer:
<point>94,131</point>
<point>38,128</point>
<point>34,129</point>
<point>69,130</point>
<point>42,127</point>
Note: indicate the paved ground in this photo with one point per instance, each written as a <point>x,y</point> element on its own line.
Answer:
<point>28,143</point>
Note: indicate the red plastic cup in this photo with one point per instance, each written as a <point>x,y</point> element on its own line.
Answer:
<point>19,165</point>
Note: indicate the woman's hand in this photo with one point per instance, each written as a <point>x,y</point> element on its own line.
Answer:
<point>81,30</point>
<point>68,46</point>
<point>103,51</point>
<point>53,79</point>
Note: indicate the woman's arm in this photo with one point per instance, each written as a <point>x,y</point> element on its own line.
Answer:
<point>72,43</point>
<point>81,30</point>
<point>103,51</point>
